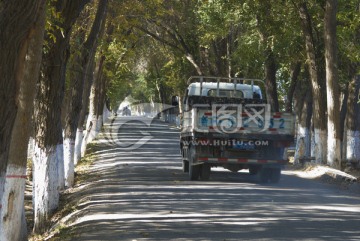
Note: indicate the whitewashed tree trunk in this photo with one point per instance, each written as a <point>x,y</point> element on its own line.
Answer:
<point>303,143</point>
<point>48,104</point>
<point>353,146</point>
<point>332,86</point>
<point>312,144</point>
<point>18,23</point>
<point>96,102</point>
<point>80,146</point>
<point>344,144</point>
<point>23,236</point>
<point>317,84</point>
<point>78,142</point>
<point>83,145</point>
<point>343,128</point>
<point>83,62</point>
<point>303,108</point>
<point>320,146</point>
<point>13,203</point>
<point>46,184</point>
<point>353,123</point>
<point>60,166</point>
<point>301,140</point>
<point>12,212</point>
<point>89,122</point>
<point>2,186</point>
<point>30,152</point>
<point>69,147</point>
<point>98,126</point>
<point>93,130</point>
<point>106,114</point>
<point>333,146</point>
<point>300,148</point>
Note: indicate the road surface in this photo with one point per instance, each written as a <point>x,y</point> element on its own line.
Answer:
<point>138,191</point>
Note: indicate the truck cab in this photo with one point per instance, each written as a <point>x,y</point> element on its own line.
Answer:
<point>225,90</point>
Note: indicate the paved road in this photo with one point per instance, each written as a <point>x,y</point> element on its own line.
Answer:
<point>142,194</point>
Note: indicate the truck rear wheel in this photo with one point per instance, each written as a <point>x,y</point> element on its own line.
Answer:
<point>185,166</point>
<point>270,174</point>
<point>205,172</point>
<point>253,170</point>
<point>275,175</point>
<point>194,170</point>
<point>264,174</point>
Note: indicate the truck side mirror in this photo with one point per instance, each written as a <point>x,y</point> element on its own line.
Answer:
<point>174,101</point>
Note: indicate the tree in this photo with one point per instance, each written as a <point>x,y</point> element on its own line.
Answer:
<point>353,123</point>
<point>317,83</point>
<point>295,72</point>
<point>303,109</point>
<point>82,59</point>
<point>264,20</point>
<point>332,86</point>
<point>348,34</point>
<point>22,66</point>
<point>48,158</point>
<point>162,22</point>
<point>95,120</point>
<point>96,91</point>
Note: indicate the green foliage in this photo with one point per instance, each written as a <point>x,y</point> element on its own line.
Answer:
<point>52,24</point>
<point>349,32</point>
<point>216,17</point>
<point>118,72</point>
<point>146,57</point>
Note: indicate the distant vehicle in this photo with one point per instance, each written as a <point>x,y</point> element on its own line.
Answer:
<point>227,123</point>
<point>126,111</point>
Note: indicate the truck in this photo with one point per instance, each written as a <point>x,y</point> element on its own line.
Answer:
<point>227,122</point>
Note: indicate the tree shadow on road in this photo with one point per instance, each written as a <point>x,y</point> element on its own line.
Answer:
<point>144,195</point>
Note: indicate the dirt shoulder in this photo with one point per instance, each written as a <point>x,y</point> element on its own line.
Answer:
<point>344,180</point>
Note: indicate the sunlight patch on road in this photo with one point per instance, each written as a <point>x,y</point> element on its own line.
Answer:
<point>169,217</point>
<point>333,208</point>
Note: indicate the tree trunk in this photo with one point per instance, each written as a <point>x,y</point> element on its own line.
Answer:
<point>12,202</point>
<point>343,110</point>
<point>48,158</point>
<point>102,102</point>
<point>263,19</point>
<point>229,53</point>
<point>332,86</point>
<point>16,21</point>
<point>80,140</point>
<point>295,71</point>
<point>219,47</point>
<point>270,80</point>
<point>319,102</point>
<point>353,122</point>
<point>92,125</point>
<point>72,119</point>
<point>192,60</point>
<point>303,108</point>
